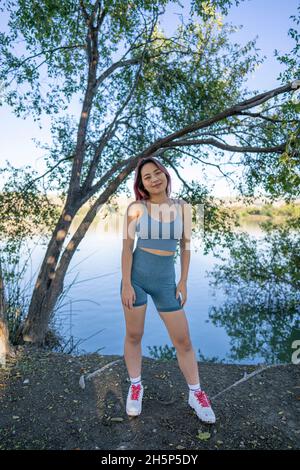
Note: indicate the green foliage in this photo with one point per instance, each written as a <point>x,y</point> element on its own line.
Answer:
<point>162,353</point>
<point>25,211</point>
<point>213,222</point>
<point>179,81</point>
<point>275,175</point>
<point>16,294</point>
<point>291,60</point>
<point>261,281</point>
<point>209,8</point>
<point>188,77</point>
<point>213,359</point>
<point>281,212</point>
<point>167,353</point>
<point>50,56</point>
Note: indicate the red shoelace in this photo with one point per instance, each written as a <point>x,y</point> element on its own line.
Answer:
<point>202,398</point>
<point>135,391</point>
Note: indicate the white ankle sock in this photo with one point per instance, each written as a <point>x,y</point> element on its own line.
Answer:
<point>136,381</point>
<point>194,388</point>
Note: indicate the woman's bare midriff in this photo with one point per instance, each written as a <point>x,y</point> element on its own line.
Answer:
<point>158,252</point>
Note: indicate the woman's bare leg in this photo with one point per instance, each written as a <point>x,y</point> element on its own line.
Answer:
<point>178,330</point>
<point>135,320</point>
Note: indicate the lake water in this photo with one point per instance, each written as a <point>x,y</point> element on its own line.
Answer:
<point>93,302</point>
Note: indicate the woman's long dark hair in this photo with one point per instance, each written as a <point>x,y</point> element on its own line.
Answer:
<point>138,187</point>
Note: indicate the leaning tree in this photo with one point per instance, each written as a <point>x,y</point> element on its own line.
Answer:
<point>140,92</point>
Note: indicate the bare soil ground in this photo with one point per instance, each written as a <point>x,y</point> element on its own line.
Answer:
<point>42,405</point>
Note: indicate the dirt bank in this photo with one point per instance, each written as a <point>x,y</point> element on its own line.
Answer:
<point>42,405</point>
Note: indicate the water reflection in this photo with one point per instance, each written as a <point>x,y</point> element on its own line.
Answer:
<point>261,282</point>
<point>246,311</point>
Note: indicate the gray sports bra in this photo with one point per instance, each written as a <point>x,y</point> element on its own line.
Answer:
<point>158,235</point>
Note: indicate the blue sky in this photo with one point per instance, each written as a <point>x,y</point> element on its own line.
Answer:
<point>267,19</point>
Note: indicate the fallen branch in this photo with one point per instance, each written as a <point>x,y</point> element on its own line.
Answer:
<point>247,377</point>
<point>97,372</point>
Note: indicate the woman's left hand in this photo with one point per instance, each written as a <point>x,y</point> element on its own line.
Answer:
<point>182,290</point>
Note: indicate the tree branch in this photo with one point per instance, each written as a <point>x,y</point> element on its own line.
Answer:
<point>47,172</point>
<point>233,148</point>
<point>164,157</point>
<point>93,58</point>
<point>167,142</point>
<point>267,118</point>
<point>86,187</point>
<point>84,12</point>
<point>113,67</point>
<point>232,111</point>
<point>49,51</point>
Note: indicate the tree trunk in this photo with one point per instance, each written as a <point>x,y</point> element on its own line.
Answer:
<point>50,280</point>
<point>50,284</point>
<point>5,347</point>
<point>47,287</point>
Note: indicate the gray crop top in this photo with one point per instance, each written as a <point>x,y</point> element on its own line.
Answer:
<point>158,235</point>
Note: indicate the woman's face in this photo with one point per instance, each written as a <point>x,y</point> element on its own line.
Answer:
<point>154,180</point>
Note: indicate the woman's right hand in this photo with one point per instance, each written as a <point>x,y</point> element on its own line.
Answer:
<point>128,295</point>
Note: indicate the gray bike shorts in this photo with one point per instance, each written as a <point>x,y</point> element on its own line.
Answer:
<point>154,275</point>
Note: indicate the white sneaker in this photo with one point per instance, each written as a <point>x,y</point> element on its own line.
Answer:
<point>134,400</point>
<point>199,401</point>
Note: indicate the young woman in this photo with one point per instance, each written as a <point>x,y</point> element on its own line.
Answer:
<point>159,222</point>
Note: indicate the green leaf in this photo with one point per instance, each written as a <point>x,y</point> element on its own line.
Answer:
<point>203,436</point>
